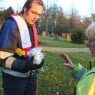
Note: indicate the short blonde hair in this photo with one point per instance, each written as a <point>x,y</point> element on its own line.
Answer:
<point>90,31</point>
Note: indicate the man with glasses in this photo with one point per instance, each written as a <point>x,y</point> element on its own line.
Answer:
<point>19,55</point>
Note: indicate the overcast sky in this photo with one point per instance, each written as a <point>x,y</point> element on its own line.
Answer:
<point>83,7</point>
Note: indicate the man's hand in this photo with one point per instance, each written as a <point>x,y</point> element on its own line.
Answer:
<point>68,61</point>
<point>38,58</point>
<point>34,64</point>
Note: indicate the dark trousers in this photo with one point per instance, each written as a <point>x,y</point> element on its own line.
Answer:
<point>19,86</point>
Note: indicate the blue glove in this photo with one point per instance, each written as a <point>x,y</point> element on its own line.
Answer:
<point>36,58</point>
<point>34,51</point>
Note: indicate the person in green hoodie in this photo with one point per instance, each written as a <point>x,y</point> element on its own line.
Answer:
<point>86,78</point>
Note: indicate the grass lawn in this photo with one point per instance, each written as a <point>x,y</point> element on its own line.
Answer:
<point>48,41</point>
<point>54,78</point>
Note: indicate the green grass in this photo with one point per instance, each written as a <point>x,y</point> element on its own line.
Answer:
<point>49,41</point>
<point>54,77</point>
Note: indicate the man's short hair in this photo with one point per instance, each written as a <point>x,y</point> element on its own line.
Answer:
<point>28,4</point>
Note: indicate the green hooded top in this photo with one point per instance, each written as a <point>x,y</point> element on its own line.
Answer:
<point>86,79</point>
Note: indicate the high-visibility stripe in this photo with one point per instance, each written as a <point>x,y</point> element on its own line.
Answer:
<point>4,54</point>
<point>15,73</point>
<point>9,62</point>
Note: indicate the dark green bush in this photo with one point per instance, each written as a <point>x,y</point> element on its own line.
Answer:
<point>78,36</point>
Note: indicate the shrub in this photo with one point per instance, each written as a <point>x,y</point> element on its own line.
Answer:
<point>78,36</point>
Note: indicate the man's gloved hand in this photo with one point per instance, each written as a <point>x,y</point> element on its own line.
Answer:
<point>36,58</point>
<point>35,64</point>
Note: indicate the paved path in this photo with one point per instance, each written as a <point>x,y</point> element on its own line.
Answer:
<point>66,49</point>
